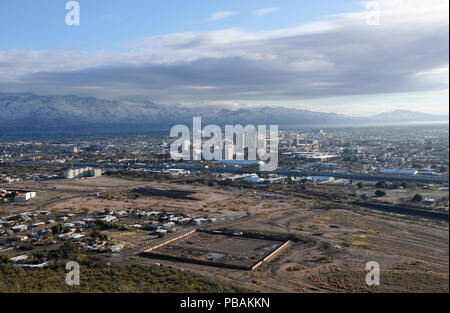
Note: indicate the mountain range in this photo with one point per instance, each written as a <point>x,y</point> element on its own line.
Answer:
<point>30,112</point>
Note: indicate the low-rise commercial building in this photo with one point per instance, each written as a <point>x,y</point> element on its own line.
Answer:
<point>82,172</point>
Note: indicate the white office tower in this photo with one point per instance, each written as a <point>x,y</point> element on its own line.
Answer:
<point>229,149</point>
<point>239,146</point>
<point>251,142</point>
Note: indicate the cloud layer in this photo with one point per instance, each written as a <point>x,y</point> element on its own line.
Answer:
<point>338,56</point>
<point>265,11</point>
<point>221,15</point>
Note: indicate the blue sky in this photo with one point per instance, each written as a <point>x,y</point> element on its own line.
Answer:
<point>107,24</point>
<point>319,55</point>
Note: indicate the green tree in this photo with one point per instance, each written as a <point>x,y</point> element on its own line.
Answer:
<point>381,184</point>
<point>68,250</point>
<point>57,229</point>
<point>4,258</point>
<point>417,198</point>
<point>96,234</point>
<point>405,185</point>
<point>380,193</point>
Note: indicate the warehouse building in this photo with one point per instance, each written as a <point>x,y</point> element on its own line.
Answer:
<point>398,171</point>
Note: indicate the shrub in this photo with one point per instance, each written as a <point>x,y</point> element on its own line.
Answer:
<point>381,184</point>
<point>4,258</point>
<point>417,198</point>
<point>68,250</point>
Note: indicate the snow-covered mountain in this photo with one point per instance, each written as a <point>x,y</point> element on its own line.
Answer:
<point>29,111</point>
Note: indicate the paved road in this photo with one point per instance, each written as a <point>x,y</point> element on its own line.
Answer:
<point>354,176</point>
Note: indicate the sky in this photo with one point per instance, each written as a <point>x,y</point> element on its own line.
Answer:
<point>349,57</point>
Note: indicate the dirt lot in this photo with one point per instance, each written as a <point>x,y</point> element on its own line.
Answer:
<point>333,244</point>
<point>220,250</point>
<point>59,193</point>
<point>413,255</point>
<point>117,194</point>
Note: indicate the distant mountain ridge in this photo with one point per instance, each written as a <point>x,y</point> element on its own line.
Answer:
<point>408,116</point>
<point>28,111</point>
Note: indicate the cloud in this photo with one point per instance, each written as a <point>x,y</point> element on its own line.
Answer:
<point>221,15</point>
<point>111,19</point>
<point>339,56</point>
<point>265,11</point>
